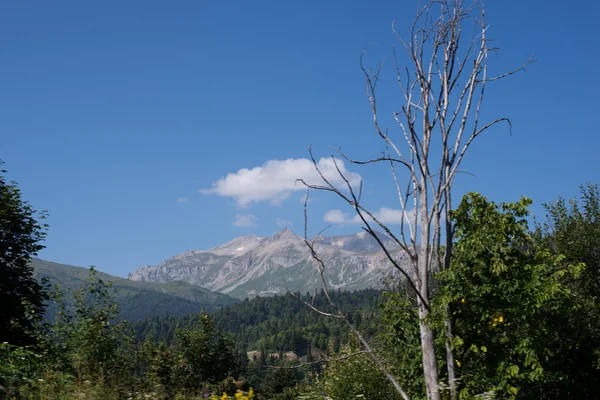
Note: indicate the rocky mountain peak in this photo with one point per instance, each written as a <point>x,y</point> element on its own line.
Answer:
<point>188,253</point>
<point>238,245</point>
<point>284,234</point>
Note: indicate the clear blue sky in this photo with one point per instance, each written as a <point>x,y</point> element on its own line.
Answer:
<point>113,115</point>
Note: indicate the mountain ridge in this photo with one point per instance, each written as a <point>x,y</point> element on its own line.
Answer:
<point>251,265</point>
<point>137,300</point>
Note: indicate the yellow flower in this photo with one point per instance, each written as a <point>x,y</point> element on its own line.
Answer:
<point>458,363</point>
<point>500,319</point>
<point>251,394</point>
<point>224,397</point>
<point>463,300</point>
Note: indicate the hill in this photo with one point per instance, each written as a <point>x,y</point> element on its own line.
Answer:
<point>138,300</point>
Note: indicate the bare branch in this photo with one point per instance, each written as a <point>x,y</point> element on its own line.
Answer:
<point>402,200</point>
<point>307,304</point>
<point>324,360</point>
<point>514,71</point>
<point>375,160</point>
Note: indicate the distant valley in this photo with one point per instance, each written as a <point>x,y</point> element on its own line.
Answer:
<point>250,266</point>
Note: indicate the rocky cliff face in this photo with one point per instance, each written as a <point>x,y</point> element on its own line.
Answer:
<point>250,265</point>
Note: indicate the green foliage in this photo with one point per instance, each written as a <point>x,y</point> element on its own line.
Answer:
<point>21,296</point>
<point>204,354</point>
<point>87,338</point>
<point>399,336</point>
<point>283,323</point>
<point>279,323</point>
<point>84,345</point>
<point>502,288</point>
<point>573,230</point>
<point>275,325</point>
<point>355,377</point>
<point>90,353</point>
<point>280,383</point>
<point>18,366</point>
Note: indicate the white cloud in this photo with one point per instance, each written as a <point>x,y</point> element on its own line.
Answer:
<point>391,216</point>
<point>275,180</point>
<point>335,217</point>
<point>283,222</point>
<point>385,215</point>
<point>182,199</point>
<point>245,220</point>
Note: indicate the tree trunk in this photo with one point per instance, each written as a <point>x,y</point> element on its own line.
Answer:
<point>450,360</point>
<point>429,360</point>
<point>427,336</point>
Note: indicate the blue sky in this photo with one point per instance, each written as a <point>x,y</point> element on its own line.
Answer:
<point>114,115</point>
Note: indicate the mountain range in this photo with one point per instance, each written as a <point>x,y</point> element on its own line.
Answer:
<point>250,266</point>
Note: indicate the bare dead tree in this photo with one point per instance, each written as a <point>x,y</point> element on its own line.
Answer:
<point>439,119</point>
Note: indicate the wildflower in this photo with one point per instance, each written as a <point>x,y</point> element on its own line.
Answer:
<point>458,363</point>
<point>462,300</point>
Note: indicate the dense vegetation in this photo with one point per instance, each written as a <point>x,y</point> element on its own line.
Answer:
<point>21,296</point>
<point>280,323</point>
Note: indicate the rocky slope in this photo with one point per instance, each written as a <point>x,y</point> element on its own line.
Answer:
<point>250,265</point>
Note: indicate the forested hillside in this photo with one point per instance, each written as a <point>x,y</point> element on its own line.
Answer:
<point>137,300</point>
<point>280,323</point>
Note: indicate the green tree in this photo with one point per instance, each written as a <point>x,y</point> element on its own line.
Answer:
<point>573,229</point>
<point>205,354</point>
<point>22,298</point>
<point>503,287</point>
<point>278,380</point>
<point>88,339</point>
<point>355,377</point>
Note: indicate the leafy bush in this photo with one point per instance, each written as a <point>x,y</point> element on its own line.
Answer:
<point>19,366</point>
